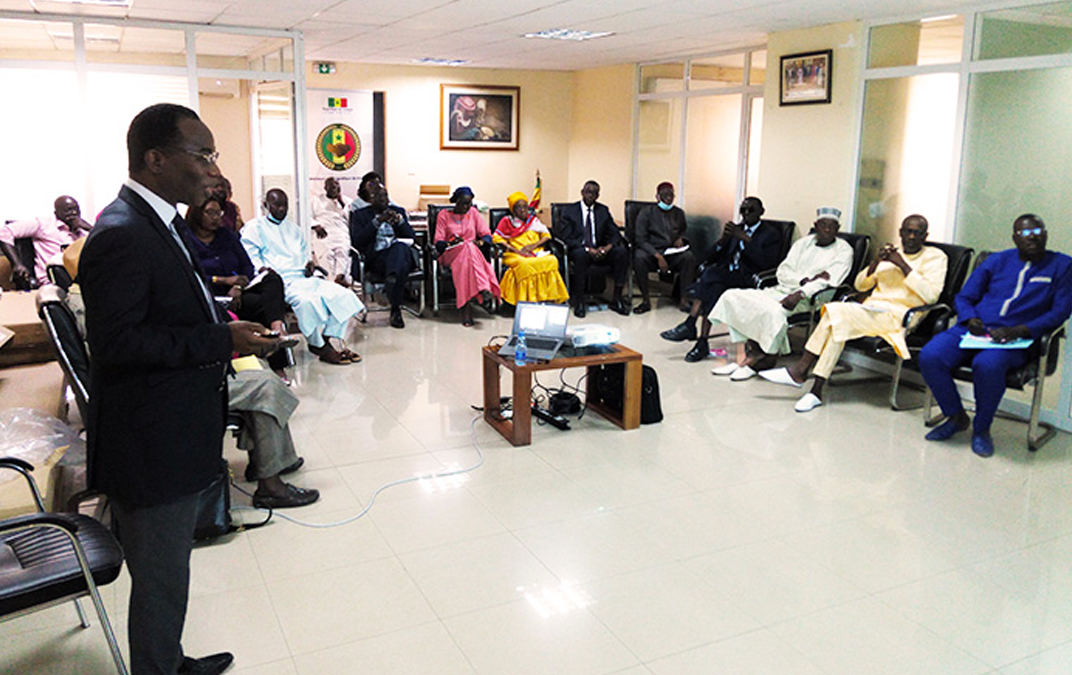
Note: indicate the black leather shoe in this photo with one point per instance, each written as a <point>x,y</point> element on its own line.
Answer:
<point>620,307</point>
<point>580,310</point>
<point>700,351</point>
<point>686,330</point>
<point>642,308</point>
<point>396,318</point>
<point>208,665</point>
<point>295,496</point>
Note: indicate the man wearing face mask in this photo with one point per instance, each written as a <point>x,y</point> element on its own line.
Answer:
<point>744,250</point>
<point>660,228</point>
<point>1024,292</point>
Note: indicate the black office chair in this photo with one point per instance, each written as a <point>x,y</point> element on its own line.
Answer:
<point>597,274</point>
<point>50,558</point>
<point>920,324</point>
<point>70,347</point>
<point>24,248</point>
<point>633,207</point>
<point>365,280</point>
<point>1041,363</point>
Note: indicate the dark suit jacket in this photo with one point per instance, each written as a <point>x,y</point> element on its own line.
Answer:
<point>158,362</point>
<point>657,230</point>
<point>759,255</point>
<point>363,228</point>
<point>570,229</point>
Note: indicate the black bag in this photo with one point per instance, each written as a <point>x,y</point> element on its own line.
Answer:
<point>214,507</point>
<point>610,384</point>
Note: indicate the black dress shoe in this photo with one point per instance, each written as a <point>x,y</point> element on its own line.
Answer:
<point>396,318</point>
<point>620,307</point>
<point>295,496</point>
<point>208,665</point>
<point>642,307</point>
<point>686,330</point>
<point>580,310</point>
<point>700,351</point>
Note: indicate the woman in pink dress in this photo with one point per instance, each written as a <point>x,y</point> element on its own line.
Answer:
<point>459,234</point>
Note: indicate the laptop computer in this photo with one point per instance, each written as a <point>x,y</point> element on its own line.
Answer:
<point>544,326</point>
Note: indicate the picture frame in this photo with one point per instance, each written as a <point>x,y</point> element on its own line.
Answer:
<point>478,117</point>
<point>805,78</point>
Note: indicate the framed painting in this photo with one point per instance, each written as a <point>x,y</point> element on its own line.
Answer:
<point>805,78</point>
<point>478,117</point>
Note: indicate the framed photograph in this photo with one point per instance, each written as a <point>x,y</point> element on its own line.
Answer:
<point>478,117</point>
<point>806,78</point>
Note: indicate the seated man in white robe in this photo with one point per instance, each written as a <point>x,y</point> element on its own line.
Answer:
<point>757,318</point>
<point>323,307</point>
<point>331,231</point>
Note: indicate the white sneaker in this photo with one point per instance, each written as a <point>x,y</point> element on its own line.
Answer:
<point>728,369</point>
<point>780,376</point>
<point>808,402</point>
<point>743,373</point>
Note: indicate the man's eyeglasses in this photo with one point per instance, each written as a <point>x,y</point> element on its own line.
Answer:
<point>206,157</point>
<point>1032,231</point>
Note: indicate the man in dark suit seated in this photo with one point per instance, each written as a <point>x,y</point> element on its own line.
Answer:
<point>743,251</point>
<point>661,228</point>
<point>158,389</point>
<point>592,238</point>
<point>382,233</point>
<point>1024,292</point>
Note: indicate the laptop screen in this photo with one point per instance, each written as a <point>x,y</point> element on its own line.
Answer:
<point>539,319</point>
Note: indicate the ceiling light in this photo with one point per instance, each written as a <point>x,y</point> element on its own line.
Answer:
<point>568,34</point>
<point>100,3</point>
<point>429,61</point>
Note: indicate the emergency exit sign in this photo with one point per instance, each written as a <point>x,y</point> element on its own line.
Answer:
<point>324,68</point>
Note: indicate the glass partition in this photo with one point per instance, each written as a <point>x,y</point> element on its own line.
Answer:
<point>1025,31</point>
<point>36,40</point>
<point>716,72</point>
<point>660,78</point>
<point>917,43</point>
<point>108,43</point>
<point>714,133</point>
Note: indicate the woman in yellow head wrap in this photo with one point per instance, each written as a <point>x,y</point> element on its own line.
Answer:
<point>532,272</point>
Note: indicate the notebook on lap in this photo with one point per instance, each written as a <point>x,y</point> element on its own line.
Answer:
<point>544,326</point>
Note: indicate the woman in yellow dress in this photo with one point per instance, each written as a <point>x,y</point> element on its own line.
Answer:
<point>532,272</point>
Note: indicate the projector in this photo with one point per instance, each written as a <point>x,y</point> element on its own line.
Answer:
<point>593,335</point>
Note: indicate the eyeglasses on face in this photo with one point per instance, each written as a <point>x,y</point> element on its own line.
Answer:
<point>206,157</point>
<point>1032,231</point>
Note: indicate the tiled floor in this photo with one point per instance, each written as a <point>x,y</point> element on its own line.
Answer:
<point>735,537</point>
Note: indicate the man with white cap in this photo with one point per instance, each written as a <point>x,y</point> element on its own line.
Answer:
<point>757,318</point>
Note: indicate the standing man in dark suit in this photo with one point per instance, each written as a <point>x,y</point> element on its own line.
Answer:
<point>158,392</point>
<point>744,250</point>
<point>592,238</point>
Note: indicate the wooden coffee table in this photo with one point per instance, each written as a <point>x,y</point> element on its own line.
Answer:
<point>518,429</point>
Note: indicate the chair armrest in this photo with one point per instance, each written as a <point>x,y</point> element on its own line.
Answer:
<point>767,278</point>
<point>823,296</point>
<point>25,468</point>
<point>915,315</point>
<point>36,519</point>
<point>558,246</point>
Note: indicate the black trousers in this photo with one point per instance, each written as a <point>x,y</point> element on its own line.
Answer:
<point>265,304</point>
<point>683,264</point>
<point>157,541</point>
<point>715,281</point>
<point>397,260</point>
<point>582,265</point>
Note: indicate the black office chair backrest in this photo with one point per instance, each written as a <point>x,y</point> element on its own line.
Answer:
<point>633,208</point>
<point>67,339</point>
<point>495,216</point>
<point>556,218</point>
<point>59,276</point>
<point>433,216</point>
<point>861,246</point>
<point>24,247</point>
<point>956,272</point>
<point>787,229</point>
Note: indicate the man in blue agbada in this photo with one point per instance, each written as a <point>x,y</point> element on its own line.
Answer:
<point>1019,293</point>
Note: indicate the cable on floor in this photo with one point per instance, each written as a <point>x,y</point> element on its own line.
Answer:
<point>385,486</point>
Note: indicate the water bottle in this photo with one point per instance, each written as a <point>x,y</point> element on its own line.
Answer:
<point>521,351</point>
